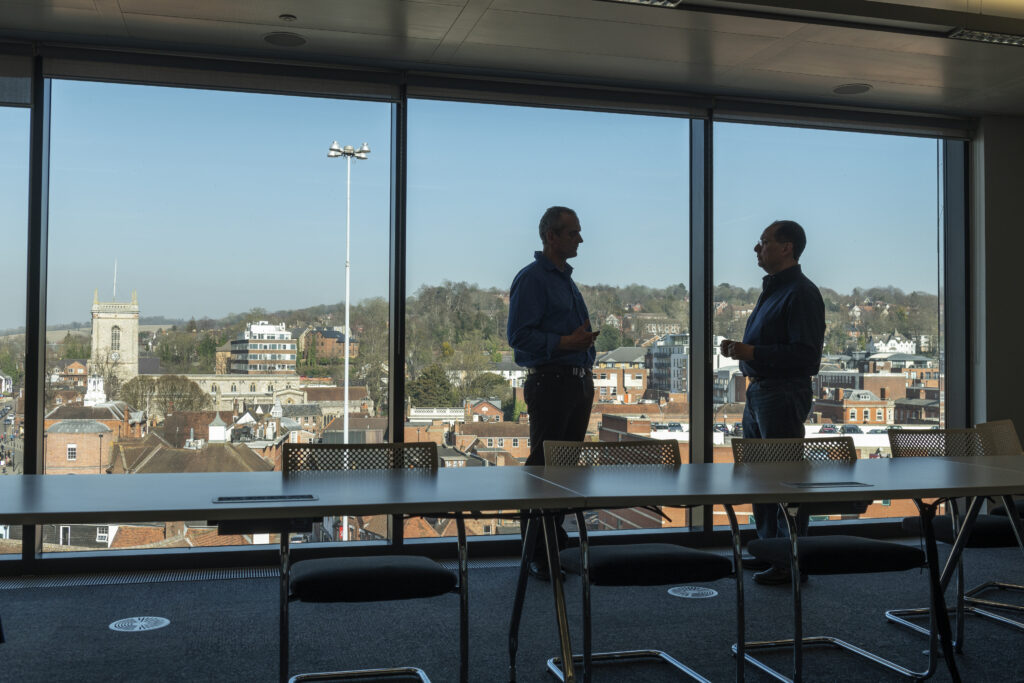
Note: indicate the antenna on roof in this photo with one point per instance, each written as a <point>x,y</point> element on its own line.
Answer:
<point>115,280</point>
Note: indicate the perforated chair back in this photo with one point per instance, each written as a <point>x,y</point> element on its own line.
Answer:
<point>825,449</point>
<point>909,443</point>
<point>593,453</point>
<point>999,437</point>
<point>320,457</point>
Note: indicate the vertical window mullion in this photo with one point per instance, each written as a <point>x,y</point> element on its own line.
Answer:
<point>701,306</point>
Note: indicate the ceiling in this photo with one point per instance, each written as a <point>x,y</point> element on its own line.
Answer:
<point>793,50</point>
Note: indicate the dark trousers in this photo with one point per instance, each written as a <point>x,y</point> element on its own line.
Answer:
<point>559,407</point>
<point>776,409</point>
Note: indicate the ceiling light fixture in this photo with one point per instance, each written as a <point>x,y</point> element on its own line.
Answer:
<point>287,17</point>
<point>653,3</point>
<point>987,37</point>
<point>284,39</point>
<point>851,89</point>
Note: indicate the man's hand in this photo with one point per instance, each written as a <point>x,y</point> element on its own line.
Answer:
<point>581,339</point>
<point>736,350</point>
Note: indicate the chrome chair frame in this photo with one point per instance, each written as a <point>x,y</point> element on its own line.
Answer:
<point>321,457</point>
<point>836,449</point>
<point>972,443</point>
<point>628,453</point>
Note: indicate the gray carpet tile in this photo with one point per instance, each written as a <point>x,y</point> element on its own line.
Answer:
<point>225,629</point>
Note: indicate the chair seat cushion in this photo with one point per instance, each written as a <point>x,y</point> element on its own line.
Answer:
<point>647,564</point>
<point>840,554</point>
<point>990,531</point>
<point>1018,503</point>
<point>369,579</point>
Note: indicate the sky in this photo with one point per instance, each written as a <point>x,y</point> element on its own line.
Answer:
<point>217,202</point>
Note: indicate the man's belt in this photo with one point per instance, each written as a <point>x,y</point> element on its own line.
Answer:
<point>553,369</point>
<point>755,379</point>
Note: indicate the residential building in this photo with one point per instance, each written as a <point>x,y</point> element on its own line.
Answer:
<point>668,360</point>
<point>263,348</point>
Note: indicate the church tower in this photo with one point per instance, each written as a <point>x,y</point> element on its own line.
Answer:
<point>115,338</point>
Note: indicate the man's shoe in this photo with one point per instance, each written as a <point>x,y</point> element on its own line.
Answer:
<point>751,562</point>
<point>540,571</point>
<point>775,576</point>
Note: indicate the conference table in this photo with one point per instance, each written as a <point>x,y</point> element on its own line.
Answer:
<point>916,478</point>
<point>43,499</point>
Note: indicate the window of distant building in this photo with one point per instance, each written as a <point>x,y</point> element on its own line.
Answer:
<point>72,451</point>
<point>879,416</point>
<point>867,415</point>
<point>501,443</point>
<point>853,414</point>
<point>115,338</point>
<point>604,390</point>
<point>252,388</point>
<point>515,443</point>
<point>102,533</point>
<point>490,443</point>
<point>234,387</point>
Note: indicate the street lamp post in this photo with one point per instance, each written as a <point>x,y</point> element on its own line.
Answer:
<point>349,153</point>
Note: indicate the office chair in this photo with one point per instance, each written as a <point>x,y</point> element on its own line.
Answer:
<point>833,554</point>
<point>373,578</point>
<point>987,531</point>
<point>640,564</point>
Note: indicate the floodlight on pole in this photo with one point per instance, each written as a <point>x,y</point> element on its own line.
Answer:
<point>349,152</point>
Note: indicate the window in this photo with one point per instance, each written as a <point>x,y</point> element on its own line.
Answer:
<point>515,442</point>
<point>98,184</point>
<point>72,452</point>
<point>501,443</point>
<point>490,442</point>
<point>869,299</point>
<point>102,533</point>
<point>457,310</point>
<point>879,415</point>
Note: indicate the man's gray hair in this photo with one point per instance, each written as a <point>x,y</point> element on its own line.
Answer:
<point>551,221</point>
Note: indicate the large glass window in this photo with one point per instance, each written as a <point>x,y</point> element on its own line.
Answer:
<point>183,224</point>
<point>480,177</point>
<point>14,158</point>
<point>870,208</point>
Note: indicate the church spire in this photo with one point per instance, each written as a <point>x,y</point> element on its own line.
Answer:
<point>115,281</point>
<point>96,297</point>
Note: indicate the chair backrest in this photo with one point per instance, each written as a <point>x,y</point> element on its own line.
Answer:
<point>825,449</point>
<point>906,443</point>
<point>999,438</point>
<point>591,453</point>
<point>313,457</point>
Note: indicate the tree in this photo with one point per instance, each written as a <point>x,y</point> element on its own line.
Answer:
<point>609,339</point>
<point>139,392</point>
<point>431,388</point>
<point>75,346</point>
<point>174,392</point>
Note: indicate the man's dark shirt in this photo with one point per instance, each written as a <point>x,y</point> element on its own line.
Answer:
<point>787,327</point>
<point>544,305</point>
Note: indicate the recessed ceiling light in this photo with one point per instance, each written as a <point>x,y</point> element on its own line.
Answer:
<point>987,37</point>
<point>287,17</point>
<point>851,89</point>
<point>284,39</point>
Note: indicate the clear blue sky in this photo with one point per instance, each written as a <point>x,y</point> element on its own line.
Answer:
<point>218,202</point>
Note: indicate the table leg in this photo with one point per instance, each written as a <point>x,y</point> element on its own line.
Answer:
<point>555,572</point>
<point>283,613</point>
<point>941,616</point>
<point>529,539</point>
<point>962,534</point>
<point>791,513</point>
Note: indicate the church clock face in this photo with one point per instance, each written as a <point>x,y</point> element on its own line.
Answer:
<point>114,355</point>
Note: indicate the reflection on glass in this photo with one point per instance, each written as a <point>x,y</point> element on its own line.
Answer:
<point>196,294</point>
<point>14,145</point>
<point>480,177</point>
<point>869,205</point>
